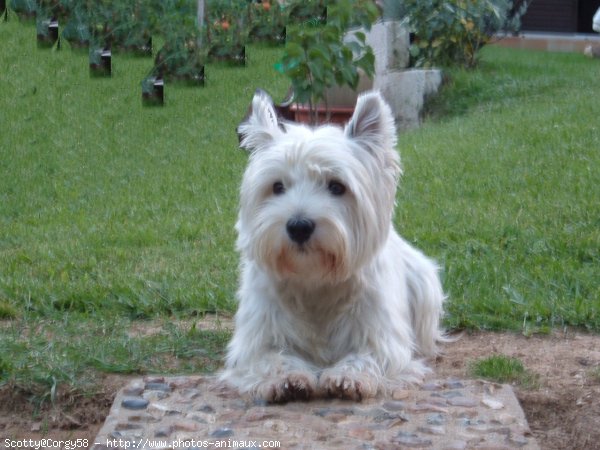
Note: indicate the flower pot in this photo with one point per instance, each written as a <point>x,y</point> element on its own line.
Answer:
<point>338,108</point>
<point>47,33</point>
<point>333,114</point>
<point>153,91</point>
<point>100,62</point>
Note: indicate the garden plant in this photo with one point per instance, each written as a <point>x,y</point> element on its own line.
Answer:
<point>452,32</point>
<point>317,57</point>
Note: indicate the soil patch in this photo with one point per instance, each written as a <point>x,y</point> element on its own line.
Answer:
<point>563,409</point>
<point>71,417</point>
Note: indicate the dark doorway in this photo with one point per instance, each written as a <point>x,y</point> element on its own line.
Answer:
<point>560,16</point>
<point>586,10</point>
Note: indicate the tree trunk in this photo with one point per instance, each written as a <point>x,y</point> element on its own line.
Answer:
<point>200,16</point>
<point>200,19</point>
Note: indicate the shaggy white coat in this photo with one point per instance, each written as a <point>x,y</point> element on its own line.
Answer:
<point>349,311</point>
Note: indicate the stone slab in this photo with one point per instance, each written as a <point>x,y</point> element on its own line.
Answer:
<point>406,92</point>
<point>198,412</point>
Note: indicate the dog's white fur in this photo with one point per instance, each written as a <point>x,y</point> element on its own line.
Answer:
<point>349,310</point>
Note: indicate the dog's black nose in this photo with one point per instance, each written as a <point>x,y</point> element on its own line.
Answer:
<point>299,230</point>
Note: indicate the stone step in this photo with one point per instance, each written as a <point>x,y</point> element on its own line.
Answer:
<point>196,412</point>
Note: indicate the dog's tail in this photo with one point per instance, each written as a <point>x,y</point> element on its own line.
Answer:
<point>426,298</point>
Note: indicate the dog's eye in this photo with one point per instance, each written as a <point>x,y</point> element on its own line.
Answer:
<point>278,188</point>
<point>336,188</point>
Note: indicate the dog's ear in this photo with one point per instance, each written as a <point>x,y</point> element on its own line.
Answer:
<point>260,126</point>
<point>372,124</point>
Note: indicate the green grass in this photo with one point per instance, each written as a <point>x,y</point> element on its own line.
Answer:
<point>106,205</point>
<point>46,357</point>
<point>502,369</point>
<point>111,212</point>
<point>501,186</point>
<point>594,374</point>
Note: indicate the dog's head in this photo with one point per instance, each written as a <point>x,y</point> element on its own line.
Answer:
<point>317,203</point>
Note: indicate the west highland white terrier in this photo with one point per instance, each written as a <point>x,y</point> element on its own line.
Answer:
<point>332,301</point>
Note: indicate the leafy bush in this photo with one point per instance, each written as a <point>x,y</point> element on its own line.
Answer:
<point>25,7</point>
<point>227,27</point>
<point>451,32</point>
<point>268,19</point>
<point>182,55</point>
<point>77,30</point>
<point>181,58</point>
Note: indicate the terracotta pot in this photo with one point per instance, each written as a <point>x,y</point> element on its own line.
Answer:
<point>334,114</point>
<point>340,100</point>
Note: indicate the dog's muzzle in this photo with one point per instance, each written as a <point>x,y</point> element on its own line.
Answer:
<point>300,229</point>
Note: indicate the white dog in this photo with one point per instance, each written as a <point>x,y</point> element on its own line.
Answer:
<point>332,301</point>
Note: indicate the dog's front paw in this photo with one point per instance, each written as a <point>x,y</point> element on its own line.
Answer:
<point>347,386</point>
<point>294,386</point>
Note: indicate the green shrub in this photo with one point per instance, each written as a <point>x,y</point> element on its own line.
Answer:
<point>227,26</point>
<point>451,32</point>
<point>267,21</point>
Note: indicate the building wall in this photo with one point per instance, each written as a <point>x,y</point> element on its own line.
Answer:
<point>562,16</point>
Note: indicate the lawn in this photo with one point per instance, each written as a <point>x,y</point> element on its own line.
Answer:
<point>109,206</point>
<point>111,213</point>
<point>502,187</point>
